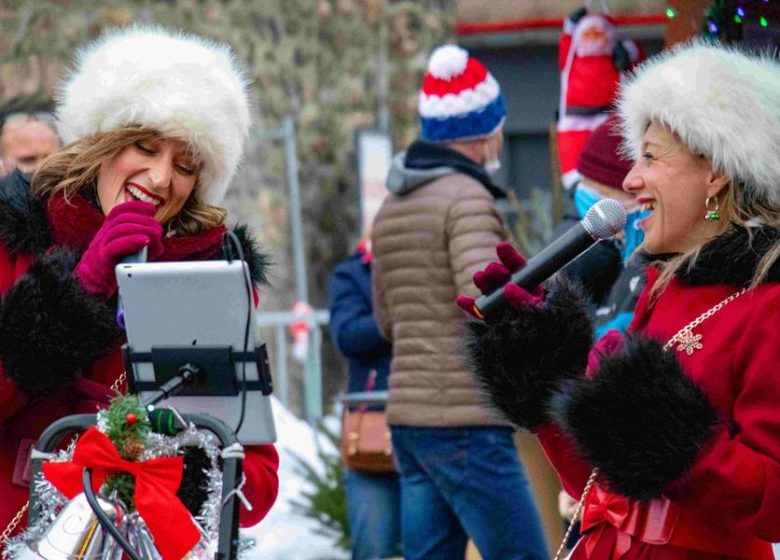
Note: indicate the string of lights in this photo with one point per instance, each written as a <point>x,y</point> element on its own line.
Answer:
<point>724,18</point>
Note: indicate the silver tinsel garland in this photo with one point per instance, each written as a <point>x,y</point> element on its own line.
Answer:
<point>50,502</point>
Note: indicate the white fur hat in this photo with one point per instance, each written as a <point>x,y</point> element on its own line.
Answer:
<point>723,103</point>
<point>183,86</point>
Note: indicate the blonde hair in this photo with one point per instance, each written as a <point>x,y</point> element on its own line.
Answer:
<point>75,167</point>
<point>737,208</point>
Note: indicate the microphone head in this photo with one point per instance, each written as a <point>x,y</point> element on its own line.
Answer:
<point>605,219</point>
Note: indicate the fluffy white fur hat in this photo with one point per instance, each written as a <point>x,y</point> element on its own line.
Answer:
<point>723,103</point>
<point>183,86</point>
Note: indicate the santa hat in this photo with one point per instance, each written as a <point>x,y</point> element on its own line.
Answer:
<point>460,99</point>
<point>181,85</point>
<point>601,159</point>
<point>721,102</point>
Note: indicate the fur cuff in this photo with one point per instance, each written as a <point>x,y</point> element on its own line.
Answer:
<point>50,328</point>
<point>257,261</point>
<point>521,358</point>
<point>641,421</point>
<point>23,223</point>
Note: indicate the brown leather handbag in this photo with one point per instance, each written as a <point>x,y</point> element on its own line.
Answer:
<point>365,438</point>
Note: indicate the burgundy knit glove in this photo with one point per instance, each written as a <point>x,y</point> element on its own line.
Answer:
<point>606,345</point>
<point>495,275</point>
<point>128,228</point>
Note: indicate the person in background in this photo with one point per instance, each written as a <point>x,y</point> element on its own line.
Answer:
<point>671,433</point>
<point>460,472</point>
<point>27,137</point>
<point>147,169</point>
<point>373,499</point>
<point>612,271</point>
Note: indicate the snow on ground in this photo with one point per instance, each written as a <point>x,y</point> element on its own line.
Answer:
<point>285,534</point>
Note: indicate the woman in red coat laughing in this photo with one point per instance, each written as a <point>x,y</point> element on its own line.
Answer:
<point>154,124</point>
<point>677,426</point>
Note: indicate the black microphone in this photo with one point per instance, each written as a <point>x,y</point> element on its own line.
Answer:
<point>605,219</point>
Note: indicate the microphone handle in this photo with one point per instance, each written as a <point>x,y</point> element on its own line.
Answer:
<point>551,259</point>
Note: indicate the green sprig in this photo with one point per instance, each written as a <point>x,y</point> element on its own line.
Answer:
<point>125,435</point>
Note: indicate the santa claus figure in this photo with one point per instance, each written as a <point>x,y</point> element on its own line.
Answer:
<point>591,59</point>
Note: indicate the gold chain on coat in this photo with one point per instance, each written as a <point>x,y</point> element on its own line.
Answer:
<point>687,343</point>
<point>14,523</point>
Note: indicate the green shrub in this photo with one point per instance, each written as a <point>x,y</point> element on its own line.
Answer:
<point>326,502</point>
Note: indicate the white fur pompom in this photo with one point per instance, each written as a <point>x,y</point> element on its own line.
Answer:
<point>448,61</point>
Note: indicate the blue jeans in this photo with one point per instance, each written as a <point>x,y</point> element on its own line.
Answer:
<point>374,514</point>
<point>465,482</point>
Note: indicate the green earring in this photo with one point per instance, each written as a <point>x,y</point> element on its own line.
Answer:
<point>712,215</point>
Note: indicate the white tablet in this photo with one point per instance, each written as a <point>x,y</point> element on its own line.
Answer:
<point>196,312</point>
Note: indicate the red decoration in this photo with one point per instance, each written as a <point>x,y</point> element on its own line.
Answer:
<point>131,418</point>
<point>590,77</point>
<point>156,483</point>
<point>653,522</point>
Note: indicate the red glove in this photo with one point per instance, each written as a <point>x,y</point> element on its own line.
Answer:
<point>606,345</point>
<point>128,228</point>
<point>495,275</point>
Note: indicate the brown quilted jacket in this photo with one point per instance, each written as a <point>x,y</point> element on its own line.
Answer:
<point>426,246</point>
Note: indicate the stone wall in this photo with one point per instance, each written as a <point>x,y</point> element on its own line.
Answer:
<point>473,11</point>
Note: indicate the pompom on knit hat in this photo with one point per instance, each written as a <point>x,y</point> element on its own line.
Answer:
<point>460,99</point>
<point>722,102</point>
<point>602,159</point>
<point>183,86</point>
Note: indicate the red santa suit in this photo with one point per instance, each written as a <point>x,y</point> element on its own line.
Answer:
<point>591,58</point>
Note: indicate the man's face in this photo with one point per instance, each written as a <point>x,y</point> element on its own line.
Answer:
<point>25,145</point>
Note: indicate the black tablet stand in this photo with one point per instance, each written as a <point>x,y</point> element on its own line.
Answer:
<point>208,371</point>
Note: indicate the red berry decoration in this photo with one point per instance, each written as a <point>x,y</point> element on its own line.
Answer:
<point>131,418</point>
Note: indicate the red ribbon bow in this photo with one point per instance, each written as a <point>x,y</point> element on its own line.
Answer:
<point>651,522</point>
<point>601,510</point>
<point>156,483</point>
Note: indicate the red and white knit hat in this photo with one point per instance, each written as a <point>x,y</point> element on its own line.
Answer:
<point>460,99</point>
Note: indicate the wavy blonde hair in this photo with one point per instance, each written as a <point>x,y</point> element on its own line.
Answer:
<point>737,208</point>
<point>75,167</point>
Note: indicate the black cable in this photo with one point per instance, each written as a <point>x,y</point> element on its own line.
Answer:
<point>102,518</point>
<point>250,302</point>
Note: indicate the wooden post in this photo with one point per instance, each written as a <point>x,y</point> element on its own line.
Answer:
<point>687,22</point>
<point>556,187</point>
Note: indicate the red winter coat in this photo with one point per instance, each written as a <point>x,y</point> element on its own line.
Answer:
<point>728,504</point>
<point>687,446</point>
<point>41,335</point>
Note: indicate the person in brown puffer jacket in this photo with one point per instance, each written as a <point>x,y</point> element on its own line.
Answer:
<point>460,474</point>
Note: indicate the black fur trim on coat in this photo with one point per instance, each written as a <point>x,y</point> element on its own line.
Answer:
<point>733,257</point>
<point>23,223</point>
<point>640,420</point>
<point>50,328</point>
<point>521,358</point>
<point>257,261</point>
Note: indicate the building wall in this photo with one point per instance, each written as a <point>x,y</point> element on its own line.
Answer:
<point>472,11</point>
